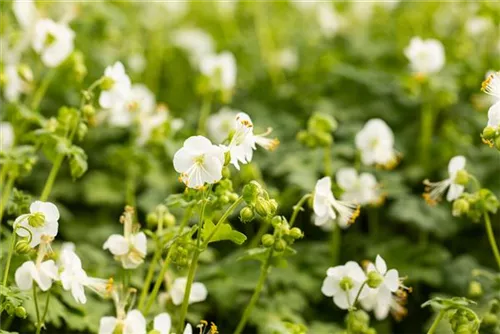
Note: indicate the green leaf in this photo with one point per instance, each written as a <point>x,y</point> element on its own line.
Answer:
<point>439,303</point>
<point>224,232</point>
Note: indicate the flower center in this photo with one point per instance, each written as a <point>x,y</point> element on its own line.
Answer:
<point>36,219</point>
<point>374,279</point>
<point>49,40</point>
<point>346,283</point>
<point>199,160</point>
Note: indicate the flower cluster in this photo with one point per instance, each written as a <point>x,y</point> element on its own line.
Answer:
<point>491,133</point>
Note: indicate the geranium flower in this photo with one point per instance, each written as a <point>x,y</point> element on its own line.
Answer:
<point>14,84</point>
<point>343,283</point>
<point>162,324</point>
<point>139,102</point>
<point>130,249</point>
<point>41,221</point>
<point>327,209</point>
<point>6,136</point>
<point>198,291</point>
<point>133,323</point>
<point>53,41</point>
<point>435,190</point>
<point>118,89</point>
<point>43,274</point>
<point>362,188</point>
<point>220,69</point>
<point>196,42</point>
<point>220,124</point>
<point>425,56</point>
<point>491,86</point>
<point>199,162</point>
<point>375,142</point>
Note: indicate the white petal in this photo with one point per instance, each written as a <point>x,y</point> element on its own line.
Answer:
<point>134,323</point>
<point>107,325</point>
<point>340,300</point>
<point>197,144</point>
<point>392,280</point>
<point>494,115</point>
<point>330,286</point>
<point>24,275</point>
<point>78,293</point>
<point>183,160</point>
<point>117,244</point>
<point>35,206</point>
<point>346,178</point>
<point>140,242</point>
<point>383,304</point>
<point>456,163</point>
<point>323,186</point>
<point>162,323</point>
<point>381,265</point>
<point>454,192</point>
<point>198,293</point>
<point>188,329</point>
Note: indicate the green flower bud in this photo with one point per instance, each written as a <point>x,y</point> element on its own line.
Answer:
<point>227,158</point>
<point>273,206</point>
<point>374,279</point>
<point>247,214</point>
<point>302,136</point>
<point>320,122</point>
<point>107,83</point>
<point>25,72</point>
<point>489,132</point>
<point>80,71</point>
<point>280,245</point>
<point>346,283</point>
<point>490,321</point>
<point>296,233</point>
<point>20,312</point>
<point>463,329</point>
<point>169,219</point>
<point>224,199</point>
<point>152,219</point>
<point>475,289</point>
<point>460,207</point>
<point>226,172</point>
<point>324,139</point>
<point>462,177</point>
<point>232,197</point>
<point>277,221</point>
<point>250,192</point>
<point>88,111</point>
<point>267,240</point>
<point>23,247</point>
<point>494,306</point>
<point>497,143</point>
<point>262,207</point>
<point>36,219</point>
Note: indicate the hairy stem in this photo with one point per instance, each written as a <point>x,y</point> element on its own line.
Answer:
<point>149,277</point>
<point>491,238</point>
<point>298,207</point>
<point>52,178</point>
<point>35,300</point>
<point>426,130</point>
<point>42,89</point>
<point>436,322</point>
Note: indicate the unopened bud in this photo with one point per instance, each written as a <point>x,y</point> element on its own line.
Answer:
<point>152,219</point>
<point>169,219</point>
<point>273,206</point>
<point>233,197</point>
<point>490,320</point>
<point>226,172</point>
<point>280,245</point>
<point>224,199</point>
<point>460,207</point>
<point>247,214</point>
<point>497,143</point>
<point>277,221</point>
<point>23,247</point>
<point>36,219</point>
<point>20,312</point>
<point>227,158</point>
<point>88,111</point>
<point>475,289</point>
<point>296,233</point>
<point>262,207</point>
<point>267,240</point>
<point>462,177</point>
<point>489,132</point>
<point>107,83</point>
<point>250,192</point>
<point>374,279</point>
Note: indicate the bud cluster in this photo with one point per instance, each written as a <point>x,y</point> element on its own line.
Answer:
<point>160,218</point>
<point>491,321</point>
<point>223,192</point>
<point>358,322</point>
<point>463,321</point>
<point>474,205</point>
<point>283,235</point>
<point>258,202</point>
<point>319,131</point>
<point>491,136</point>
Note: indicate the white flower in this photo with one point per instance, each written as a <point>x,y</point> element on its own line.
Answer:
<point>491,86</point>
<point>243,141</point>
<point>435,190</point>
<point>196,42</point>
<point>25,12</point>
<point>494,115</point>
<point>136,62</point>
<point>425,56</point>
<point>119,91</point>
<point>380,299</point>
<point>343,283</point>
<point>329,21</point>
<point>138,102</point>
<point>134,323</point>
<point>220,69</point>
<point>477,25</point>
<point>327,209</point>
<point>220,124</point>
<point>42,220</point>
<point>198,291</point>
<point>129,249</point>
<point>14,84</point>
<point>376,141</point>
<point>53,41</point>
<point>162,323</point>
<point>150,122</point>
<point>286,59</point>
<point>43,274</point>
<point>360,188</point>
<point>6,136</point>
<point>199,162</point>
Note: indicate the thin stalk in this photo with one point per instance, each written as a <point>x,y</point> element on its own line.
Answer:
<point>336,241</point>
<point>262,230</point>
<point>426,130</point>
<point>149,277</point>
<point>297,208</point>
<point>42,89</point>
<point>35,300</point>
<point>9,258</point>
<point>3,174</point>
<point>5,195</point>
<point>47,300</point>
<point>255,297</point>
<point>436,322</point>
<point>491,238</point>
<point>358,294</point>
<point>52,177</point>
<point>204,113</point>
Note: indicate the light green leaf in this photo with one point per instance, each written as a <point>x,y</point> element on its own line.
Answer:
<point>224,232</point>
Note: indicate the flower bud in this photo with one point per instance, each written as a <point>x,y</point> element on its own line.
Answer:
<point>23,247</point>
<point>475,289</point>
<point>302,136</point>
<point>324,139</point>
<point>80,71</point>
<point>232,197</point>
<point>267,240</point>
<point>462,177</point>
<point>250,192</point>
<point>20,312</point>
<point>296,233</point>
<point>88,111</point>
<point>490,320</point>
<point>280,245</point>
<point>36,219</point>
<point>224,199</point>
<point>460,207</point>
<point>169,219</point>
<point>489,132</point>
<point>226,172</point>
<point>10,309</point>
<point>374,279</point>
<point>247,214</point>
<point>227,158</point>
<point>262,207</point>
<point>277,221</point>
<point>25,72</point>
<point>107,83</point>
<point>152,219</point>
<point>273,206</point>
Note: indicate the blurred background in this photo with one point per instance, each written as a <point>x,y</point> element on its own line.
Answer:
<point>294,59</point>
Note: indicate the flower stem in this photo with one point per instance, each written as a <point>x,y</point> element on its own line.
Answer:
<point>5,195</point>
<point>47,300</point>
<point>204,113</point>
<point>35,300</point>
<point>491,237</point>
<point>9,258</point>
<point>298,208</point>
<point>264,226</point>
<point>149,277</point>
<point>436,322</point>
<point>426,129</point>
<point>264,271</point>
<point>52,177</point>
<point>358,294</point>
<point>336,241</point>
<point>42,89</point>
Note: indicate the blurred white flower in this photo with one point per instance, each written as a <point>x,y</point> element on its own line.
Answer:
<point>134,323</point>
<point>220,124</point>
<point>477,25</point>
<point>118,92</point>
<point>6,136</point>
<point>162,324</point>
<point>435,190</point>
<point>198,291</point>
<point>41,221</point>
<point>149,123</point>
<point>286,59</point>
<point>53,41</point>
<point>304,5</point>
<point>343,283</point>
<point>327,209</point>
<point>491,85</point>
<point>362,188</point>
<point>43,274</point>
<point>380,299</point>
<point>226,7</point>
<point>14,84</point>
<point>129,249</point>
<point>375,142</point>
<point>175,9</point>
<point>328,19</point>
<point>136,62</point>
<point>25,12</point>
<point>195,42</point>
<point>425,56</point>
<point>138,102</point>
<point>220,69</point>
<point>72,276</point>
<point>199,162</point>
<point>494,115</point>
